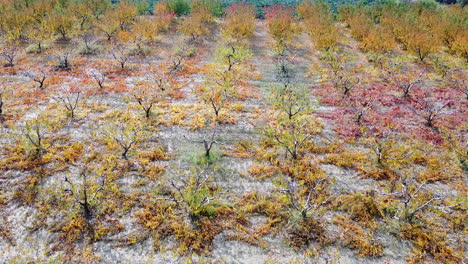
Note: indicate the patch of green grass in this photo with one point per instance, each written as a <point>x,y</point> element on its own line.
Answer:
<point>199,157</point>
<point>89,50</point>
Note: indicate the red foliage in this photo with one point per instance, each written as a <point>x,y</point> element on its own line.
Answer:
<point>239,8</point>
<point>277,11</point>
<point>378,107</point>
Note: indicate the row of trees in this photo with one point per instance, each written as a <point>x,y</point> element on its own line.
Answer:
<point>404,136</point>
<point>403,200</point>
<point>43,21</point>
<point>89,200</point>
<point>396,124</point>
<point>319,22</point>
<point>420,29</point>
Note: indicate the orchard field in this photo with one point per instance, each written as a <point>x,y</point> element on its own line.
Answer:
<point>194,134</point>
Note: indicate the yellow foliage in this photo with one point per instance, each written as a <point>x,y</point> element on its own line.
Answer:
<point>319,23</point>
<point>378,40</point>
<point>346,159</point>
<point>360,25</point>
<point>306,231</point>
<point>74,230</point>
<point>153,171</point>
<point>238,107</point>
<point>362,207</point>
<point>193,26</point>
<point>242,149</point>
<point>163,221</point>
<point>197,121</point>
<point>72,153</point>
<point>161,8</point>
<point>124,13</point>
<point>5,231</point>
<point>146,29</point>
<point>356,238</point>
<point>154,155</point>
<point>430,243</point>
<point>282,27</point>
<point>200,10</point>
<point>261,171</point>
<point>240,21</point>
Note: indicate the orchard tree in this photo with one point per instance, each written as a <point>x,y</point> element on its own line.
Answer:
<point>88,38</point>
<point>281,26</point>
<point>313,10</point>
<point>376,39</point>
<point>294,135</point>
<point>84,195</point>
<point>215,96</point>
<point>39,10</point>
<point>99,77</point>
<point>416,37</point>
<point>240,21</point>
<point>208,143</point>
<point>9,51</point>
<point>233,55</point>
<point>41,29</point>
<point>291,101</point>
<point>198,23</point>
<point>379,42</point>
<point>40,33</point>
<point>306,187</point>
<point>196,195</point>
<point>90,197</point>
<point>121,54</point>
<point>382,143</point>
<point>38,76</point>
<point>98,7</point>
<point>125,135</point>
<point>402,78</point>
<point>458,80</point>
<point>454,32</point>
<point>412,198</point>
<point>324,36</point>
<point>360,24</point>
<point>164,17</point>
<point>362,107</point>
<point>108,25</point>
<point>319,22</point>
<point>455,143</point>
<point>194,27</point>
<point>284,72</point>
<point>69,97</point>
<point>124,14</point>
<point>38,137</point>
<point>1,104</point>
<point>219,88</point>
<point>82,13</point>
<point>85,30</point>
<point>64,59</point>
<point>201,8</point>
<point>144,31</point>
<point>13,23</point>
<point>63,23</point>
<point>3,93</point>
<point>145,94</point>
<point>87,198</point>
<point>180,55</point>
<point>339,74</point>
<point>161,76</point>
<point>431,110</point>
<point>423,44</point>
